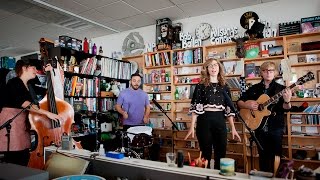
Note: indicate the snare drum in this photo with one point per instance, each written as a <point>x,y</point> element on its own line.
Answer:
<point>140,136</point>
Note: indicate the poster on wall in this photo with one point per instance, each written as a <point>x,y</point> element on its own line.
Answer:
<point>133,44</point>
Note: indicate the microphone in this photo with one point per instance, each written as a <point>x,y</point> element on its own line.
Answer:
<point>229,102</point>
<point>157,104</point>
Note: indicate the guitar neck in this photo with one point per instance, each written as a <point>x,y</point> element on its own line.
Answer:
<point>277,96</point>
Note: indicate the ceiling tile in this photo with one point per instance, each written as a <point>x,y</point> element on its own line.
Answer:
<point>233,4</point>
<point>68,5</point>
<point>118,25</point>
<point>95,3</point>
<point>19,50</point>
<point>200,7</point>
<point>14,6</point>
<point>173,13</point>
<point>139,20</point>
<point>4,14</point>
<point>18,25</point>
<point>90,33</point>
<point>44,15</point>
<point>53,30</point>
<point>181,1</point>
<point>118,10</point>
<point>149,5</point>
<point>96,16</point>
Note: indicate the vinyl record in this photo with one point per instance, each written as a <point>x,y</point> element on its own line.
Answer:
<point>244,20</point>
<point>134,67</point>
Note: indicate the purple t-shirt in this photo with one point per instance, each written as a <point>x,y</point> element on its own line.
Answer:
<point>134,103</point>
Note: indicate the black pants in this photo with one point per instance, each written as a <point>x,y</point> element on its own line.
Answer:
<point>271,142</point>
<point>211,131</point>
<point>17,157</point>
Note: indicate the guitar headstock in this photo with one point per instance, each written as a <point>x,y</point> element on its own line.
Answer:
<point>308,77</point>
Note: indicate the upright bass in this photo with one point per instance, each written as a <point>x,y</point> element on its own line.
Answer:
<point>49,131</point>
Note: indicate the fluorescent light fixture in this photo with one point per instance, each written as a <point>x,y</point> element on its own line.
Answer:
<point>74,15</point>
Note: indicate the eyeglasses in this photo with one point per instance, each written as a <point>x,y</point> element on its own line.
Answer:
<point>268,70</point>
<point>213,65</point>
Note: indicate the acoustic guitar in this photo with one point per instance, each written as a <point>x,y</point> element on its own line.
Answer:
<point>256,119</point>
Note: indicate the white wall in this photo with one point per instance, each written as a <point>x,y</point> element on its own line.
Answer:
<point>274,12</point>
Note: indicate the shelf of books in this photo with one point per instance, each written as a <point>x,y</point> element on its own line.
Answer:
<point>304,136</point>
<point>88,75</point>
<point>170,77</point>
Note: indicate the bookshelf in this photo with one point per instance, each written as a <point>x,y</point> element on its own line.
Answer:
<point>82,89</point>
<point>186,74</point>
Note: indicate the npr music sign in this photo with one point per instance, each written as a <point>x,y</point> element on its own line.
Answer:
<point>188,41</point>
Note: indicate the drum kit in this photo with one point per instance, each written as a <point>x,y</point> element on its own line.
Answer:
<point>135,141</point>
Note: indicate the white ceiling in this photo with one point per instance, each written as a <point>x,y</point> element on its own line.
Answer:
<point>24,22</point>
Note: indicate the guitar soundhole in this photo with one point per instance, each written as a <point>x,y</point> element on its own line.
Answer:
<point>260,107</point>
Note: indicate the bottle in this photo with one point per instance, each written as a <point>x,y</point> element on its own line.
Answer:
<point>102,151</point>
<point>85,45</point>
<point>176,94</point>
<point>186,93</point>
<point>167,77</point>
<point>94,49</point>
<point>90,46</point>
<point>100,51</point>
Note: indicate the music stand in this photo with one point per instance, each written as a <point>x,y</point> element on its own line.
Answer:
<point>7,125</point>
<point>173,125</point>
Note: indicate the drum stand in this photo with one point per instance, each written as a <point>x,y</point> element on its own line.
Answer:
<point>127,150</point>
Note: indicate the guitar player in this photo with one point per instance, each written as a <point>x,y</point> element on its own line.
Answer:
<point>270,135</point>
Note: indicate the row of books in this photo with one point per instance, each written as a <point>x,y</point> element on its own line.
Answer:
<point>233,82</point>
<point>181,125</point>
<point>313,119</point>
<point>188,57</point>
<point>77,86</point>
<point>157,76</point>
<point>107,104</point>
<point>115,69</point>
<point>89,66</point>
<point>86,104</point>
<point>157,59</point>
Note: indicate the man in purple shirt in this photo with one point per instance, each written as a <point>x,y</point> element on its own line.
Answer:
<point>133,103</point>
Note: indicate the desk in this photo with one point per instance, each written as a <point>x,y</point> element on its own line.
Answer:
<point>13,171</point>
<point>110,168</point>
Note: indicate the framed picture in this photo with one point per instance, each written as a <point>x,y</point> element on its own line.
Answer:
<point>318,76</point>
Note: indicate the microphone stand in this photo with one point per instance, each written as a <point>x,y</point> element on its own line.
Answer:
<point>253,137</point>
<point>7,125</point>
<point>173,125</point>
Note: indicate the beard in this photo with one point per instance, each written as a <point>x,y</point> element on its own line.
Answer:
<point>135,87</point>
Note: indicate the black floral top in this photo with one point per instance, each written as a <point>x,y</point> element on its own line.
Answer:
<point>210,97</point>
